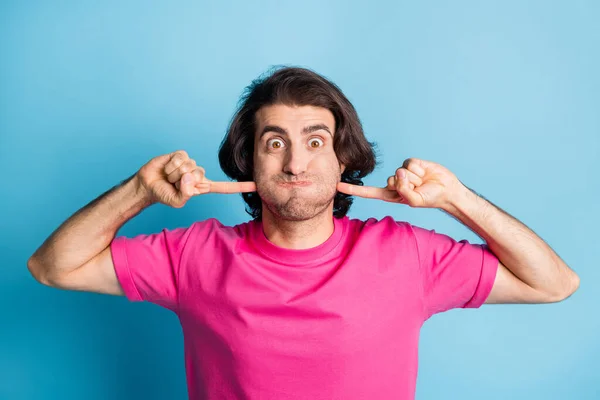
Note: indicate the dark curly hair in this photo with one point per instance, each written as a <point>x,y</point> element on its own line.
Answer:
<point>299,87</point>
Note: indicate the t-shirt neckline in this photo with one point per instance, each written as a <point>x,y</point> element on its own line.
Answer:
<point>298,256</point>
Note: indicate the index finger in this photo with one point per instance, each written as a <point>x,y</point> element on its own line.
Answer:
<point>232,187</point>
<point>368,192</point>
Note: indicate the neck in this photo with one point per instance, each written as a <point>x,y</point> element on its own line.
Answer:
<point>298,234</point>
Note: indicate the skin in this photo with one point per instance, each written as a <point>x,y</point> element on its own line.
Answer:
<point>295,144</point>
<point>299,217</point>
<point>529,271</point>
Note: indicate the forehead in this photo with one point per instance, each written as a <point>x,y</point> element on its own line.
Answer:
<point>293,116</point>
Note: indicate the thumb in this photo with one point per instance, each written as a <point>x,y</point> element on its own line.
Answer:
<point>186,188</point>
<point>406,189</point>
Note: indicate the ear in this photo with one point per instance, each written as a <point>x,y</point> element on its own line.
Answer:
<point>342,168</point>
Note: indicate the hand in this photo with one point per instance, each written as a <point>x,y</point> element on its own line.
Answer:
<point>418,183</point>
<point>173,178</point>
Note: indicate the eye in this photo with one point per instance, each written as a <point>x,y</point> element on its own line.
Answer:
<point>315,143</point>
<point>275,143</point>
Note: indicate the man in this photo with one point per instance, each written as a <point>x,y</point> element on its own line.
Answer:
<point>301,302</point>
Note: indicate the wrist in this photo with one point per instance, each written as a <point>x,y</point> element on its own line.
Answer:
<point>458,200</point>
<point>140,193</point>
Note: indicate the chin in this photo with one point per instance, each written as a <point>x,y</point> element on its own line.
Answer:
<point>297,210</point>
<point>296,205</point>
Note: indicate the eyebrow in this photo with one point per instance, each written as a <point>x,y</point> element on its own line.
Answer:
<point>305,131</point>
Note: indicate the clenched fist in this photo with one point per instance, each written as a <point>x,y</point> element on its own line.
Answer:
<point>173,178</point>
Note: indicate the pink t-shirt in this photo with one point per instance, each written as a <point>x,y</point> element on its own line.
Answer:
<point>338,321</point>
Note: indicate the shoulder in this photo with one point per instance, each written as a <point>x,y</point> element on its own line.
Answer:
<point>383,227</point>
<point>213,227</point>
<point>387,222</point>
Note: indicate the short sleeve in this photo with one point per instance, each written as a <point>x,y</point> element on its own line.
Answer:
<point>455,274</point>
<point>147,266</point>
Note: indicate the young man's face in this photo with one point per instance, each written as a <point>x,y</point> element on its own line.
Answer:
<point>295,168</point>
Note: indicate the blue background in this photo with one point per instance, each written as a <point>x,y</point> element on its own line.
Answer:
<point>505,94</point>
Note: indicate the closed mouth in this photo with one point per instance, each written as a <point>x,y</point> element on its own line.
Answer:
<point>296,183</point>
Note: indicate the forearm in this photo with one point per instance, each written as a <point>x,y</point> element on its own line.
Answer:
<point>517,247</point>
<point>89,231</point>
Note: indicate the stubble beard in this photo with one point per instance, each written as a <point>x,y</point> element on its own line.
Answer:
<point>296,204</point>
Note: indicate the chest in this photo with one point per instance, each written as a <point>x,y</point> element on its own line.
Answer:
<point>333,311</point>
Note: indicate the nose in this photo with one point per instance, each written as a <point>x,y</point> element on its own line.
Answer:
<point>296,161</point>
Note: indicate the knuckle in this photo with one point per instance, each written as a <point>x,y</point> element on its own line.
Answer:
<point>182,153</point>
<point>175,162</point>
<point>199,173</point>
<point>179,158</point>
<point>174,176</point>
<point>186,166</point>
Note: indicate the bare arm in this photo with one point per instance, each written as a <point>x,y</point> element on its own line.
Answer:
<point>84,239</point>
<point>77,256</point>
<point>529,270</point>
